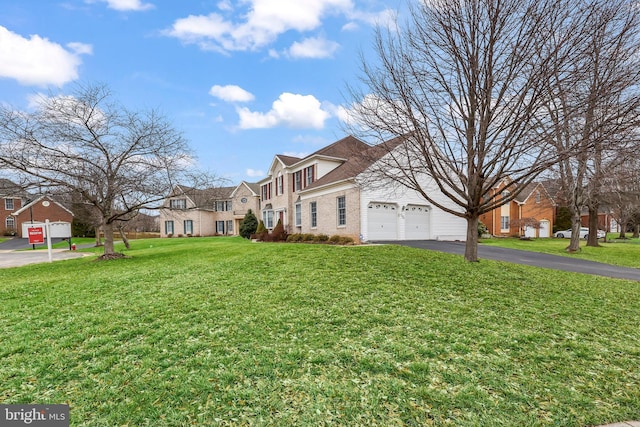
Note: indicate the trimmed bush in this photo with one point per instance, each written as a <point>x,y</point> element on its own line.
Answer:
<point>294,238</point>
<point>278,234</point>
<point>321,238</point>
<point>335,239</point>
<point>249,224</point>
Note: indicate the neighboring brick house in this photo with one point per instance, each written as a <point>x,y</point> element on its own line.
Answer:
<point>215,211</point>
<point>530,214</point>
<point>39,210</point>
<point>326,192</point>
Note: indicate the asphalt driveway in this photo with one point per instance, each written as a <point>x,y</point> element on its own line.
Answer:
<point>535,259</point>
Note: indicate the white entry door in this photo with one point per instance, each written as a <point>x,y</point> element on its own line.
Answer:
<point>416,222</point>
<point>382,221</point>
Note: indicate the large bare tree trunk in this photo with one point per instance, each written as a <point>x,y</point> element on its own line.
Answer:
<point>574,243</point>
<point>592,240</point>
<point>107,227</point>
<point>471,247</point>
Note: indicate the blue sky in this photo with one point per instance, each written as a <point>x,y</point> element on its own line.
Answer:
<point>244,80</point>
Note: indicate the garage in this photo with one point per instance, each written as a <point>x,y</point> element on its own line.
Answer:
<point>382,221</point>
<point>416,222</point>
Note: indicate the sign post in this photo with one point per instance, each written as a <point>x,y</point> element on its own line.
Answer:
<point>49,249</point>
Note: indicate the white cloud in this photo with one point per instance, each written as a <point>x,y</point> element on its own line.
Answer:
<point>316,47</point>
<point>80,48</point>
<point>231,93</point>
<point>38,61</point>
<point>290,110</point>
<point>127,5</point>
<point>253,173</point>
<point>225,5</point>
<point>263,21</point>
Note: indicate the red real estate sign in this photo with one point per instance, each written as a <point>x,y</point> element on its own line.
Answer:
<point>36,235</point>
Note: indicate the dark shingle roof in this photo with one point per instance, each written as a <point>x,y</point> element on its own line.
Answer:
<point>206,198</point>
<point>361,156</point>
<point>10,188</point>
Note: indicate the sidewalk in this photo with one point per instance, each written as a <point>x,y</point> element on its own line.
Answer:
<point>10,258</point>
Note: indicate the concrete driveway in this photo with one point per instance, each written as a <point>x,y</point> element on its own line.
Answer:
<point>536,259</point>
<point>10,257</point>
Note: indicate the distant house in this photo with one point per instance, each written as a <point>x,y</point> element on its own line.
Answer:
<point>19,207</point>
<point>207,212</point>
<point>41,209</point>
<point>530,214</point>
<point>328,192</point>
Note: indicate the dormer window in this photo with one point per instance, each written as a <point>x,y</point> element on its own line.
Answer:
<point>178,203</point>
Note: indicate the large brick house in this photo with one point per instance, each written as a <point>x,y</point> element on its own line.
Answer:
<point>530,214</point>
<point>327,192</point>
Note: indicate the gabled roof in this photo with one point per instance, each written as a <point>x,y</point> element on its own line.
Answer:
<point>342,149</point>
<point>252,186</point>
<point>33,202</point>
<point>287,160</point>
<point>10,188</point>
<point>529,189</point>
<point>361,157</point>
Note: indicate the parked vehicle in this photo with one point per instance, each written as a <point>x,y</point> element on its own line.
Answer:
<point>584,233</point>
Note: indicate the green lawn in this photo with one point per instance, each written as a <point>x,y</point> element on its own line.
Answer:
<point>623,253</point>
<point>221,331</point>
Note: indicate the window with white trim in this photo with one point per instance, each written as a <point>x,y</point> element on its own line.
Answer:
<point>219,227</point>
<point>10,223</point>
<point>168,227</point>
<point>297,181</point>
<point>309,176</point>
<point>188,226</point>
<point>504,223</point>
<point>8,204</point>
<point>267,218</point>
<point>298,215</point>
<point>342,211</point>
<point>178,203</point>
<point>279,185</point>
<point>230,226</point>
<point>313,208</point>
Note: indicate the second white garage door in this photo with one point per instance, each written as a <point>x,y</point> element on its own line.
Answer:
<point>382,221</point>
<point>416,222</point>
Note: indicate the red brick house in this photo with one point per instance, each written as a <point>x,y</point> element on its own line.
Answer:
<point>12,197</point>
<point>39,210</point>
<point>530,214</point>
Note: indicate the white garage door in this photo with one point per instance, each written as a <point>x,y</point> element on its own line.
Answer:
<point>382,221</point>
<point>545,228</point>
<point>529,231</point>
<point>416,222</point>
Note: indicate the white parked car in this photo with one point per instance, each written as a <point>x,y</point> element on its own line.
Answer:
<point>584,232</point>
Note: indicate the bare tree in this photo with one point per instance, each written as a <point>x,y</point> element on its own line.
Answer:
<point>595,104</point>
<point>118,161</point>
<point>461,88</point>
